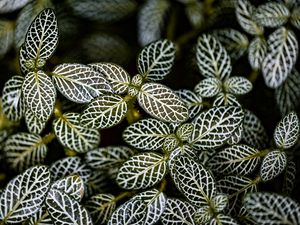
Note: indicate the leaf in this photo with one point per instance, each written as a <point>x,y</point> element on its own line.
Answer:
<point>74,136</point>
<point>280,58</point>
<point>22,60</point>
<point>226,99</point>
<point>24,195</point>
<point>208,87</point>
<point>244,13</point>
<point>142,171</point>
<point>212,59</point>
<point>79,83</point>
<point>108,157</point>
<point>185,131</point>
<point>237,85</point>
<point>162,103</point>
<point>23,150</point>
<point>12,104</point>
<point>34,125</point>
<point>272,208</point>
<point>236,159</point>
<point>295,17</point>
<point>39,94</point>
<point>6,35</point>
<point>272,14</point>
<point>236,137</point>
<point>146,134</point>
<point>57,202</point>
<point>286,133</point>
<point>42,37</point>
<point>101,207</point>
<point>223,219</point>
<point>116,75</point>
<point>220,202</point>
<point>202,215</point>
<point>185,150</point>
<point>272,165</point>
<point>41,217</point>
<point>7,6</point>
<point>156,60</point>
<point>98,182</point>
<point>256,52</point>
<point>289,177</point>
<point>178,212</point>
<point>213,127</point>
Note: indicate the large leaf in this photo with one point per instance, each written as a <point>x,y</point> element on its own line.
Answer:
<point>57,202</point>
<point>74,136</point>
<point>162,103</point>
<point>257,52</point>
<point>212,58</point>
<point>23,150</point>
<point>272,209</point>
<point>286,133</point>
<point>146,134</point>
<point>34,125</point>
<point>41,217</point>
<point>142,171</point>
<point>156,60</point>
<point>39,94</point>
<point>237,85</point>
<point>11,5</point>
<point>79,83</point>
<point>213,127</point>
<point>280,58</point>
<point>6,35</point>
<point>24,195</point>
<point>208,87</point>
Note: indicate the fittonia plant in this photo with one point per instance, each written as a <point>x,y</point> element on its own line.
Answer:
<point>187,157</point>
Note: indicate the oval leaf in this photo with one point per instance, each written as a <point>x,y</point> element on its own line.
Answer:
<point>257,52</point>
<point>237,85</point>
<point>34,125</point>
<point>208,87</point>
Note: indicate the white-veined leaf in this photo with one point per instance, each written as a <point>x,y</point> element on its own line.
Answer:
<point>202,215</point>
<point>23,150</point>
<point>39,94</point>
<point>256,52</point>
<point>271,14</point>
<point>220,202</point>
<point>286,133</point>
<point>6,35</point>
<point>162,103</point>
<point>170,143</point>
<point>142,171</point>
<point>181,150</point>
<point>208,87</point>
<point>12,103</point>
<point>272,209</point>
<point>115,74</point>
<point>281,56</point>
<point>178,212</point>
<point>63,209</point>
<point>225,99</point>
<point>41,217</point>
<point>74,136</point>
<point>104,112</point>
<point>108,157</point>
<point>42,36</point>
<point>98,182</point>
<point>146,134</point>
<point>22,60</point>
<point>213,127</point>
<point>34,125</point>
<point>289,177</point>
<point>295,17</point>
<point>151,18</point>
<point>184,132</point>
<point>222,219</point>
<point>244,12</point>
<point>101,207</point>
<point>237,85</point>
<point>236,137</point>
<point>24,195</point>
<point>79,83</point>
<point>272,165</point>
<point>7,6</point>
<point>212,58</point>
<point>236,159</point>
<point>156,60</point>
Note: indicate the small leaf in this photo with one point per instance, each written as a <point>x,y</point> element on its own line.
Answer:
<point>170,143</point>
<point>191,100</point>
<point>24,195</point>
<point>181,150</point>
<point>237,85</point>
<point>226,99</point>
<point>184,132</point>
<point>295,17</point>
<point>41,217</point>
<point>7,6</point>
<point>257,52</point>
<point>223,219</point>
<point>142,171</point>
<point>34,125</point>
<point>208,87</point>
<point>162,103</point>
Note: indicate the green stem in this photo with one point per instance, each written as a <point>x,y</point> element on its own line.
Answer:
<point>48,138</point>
<point>163,185</point>
<point>253,76</point>
<point>58,110</point>
<point>123,195</point>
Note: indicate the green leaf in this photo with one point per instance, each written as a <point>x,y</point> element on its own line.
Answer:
<point>79,83</point>
<point>108,157</point>
<point>295,17</point>
<point>41,217</point>
<point>212,58</point>
<point>181,150</point>
<point>162,103</point>
<point>142,171</point>
<point>34,125</point>
<point>7,6</point>
<point>213,127</point>
<point>104,112</point>
<point>23,150</point>
<point>185,131</point>
<point>156,60</point>
<point>257,52</point>
<point>272,165</point>
<point>236,159</point>
<point>280,58</point>
<point>269,208</point>
<point>146,134</point>
<point>6,35</point>
<point>116,75</point>
<point>191,100</point>
<point>208,87</point>
<point>57,202</point>
<point>12,103</point>
<point>178,212</point>
<point>223,219</point>
<point>289,177</point>
<point>22,60</point>
<point>39,94</point>
<point>226,99</point>
<point>236,137</point>
<point>272,14</point>
<point>74,136</point>
<point>202,215</point>
<point>24,195</point>
<point>237,85</point>
<point>286,133</point>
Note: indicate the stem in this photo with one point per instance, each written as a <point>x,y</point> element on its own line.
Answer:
<point>48,138</point>
<point>172,24</point>
<point>132,114</point>
<point>123,195</point>
<point>70,152</point>
<point>253,76</point>
<point>263,153</point>
<point>163,185</point>
<point>58,110</point>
